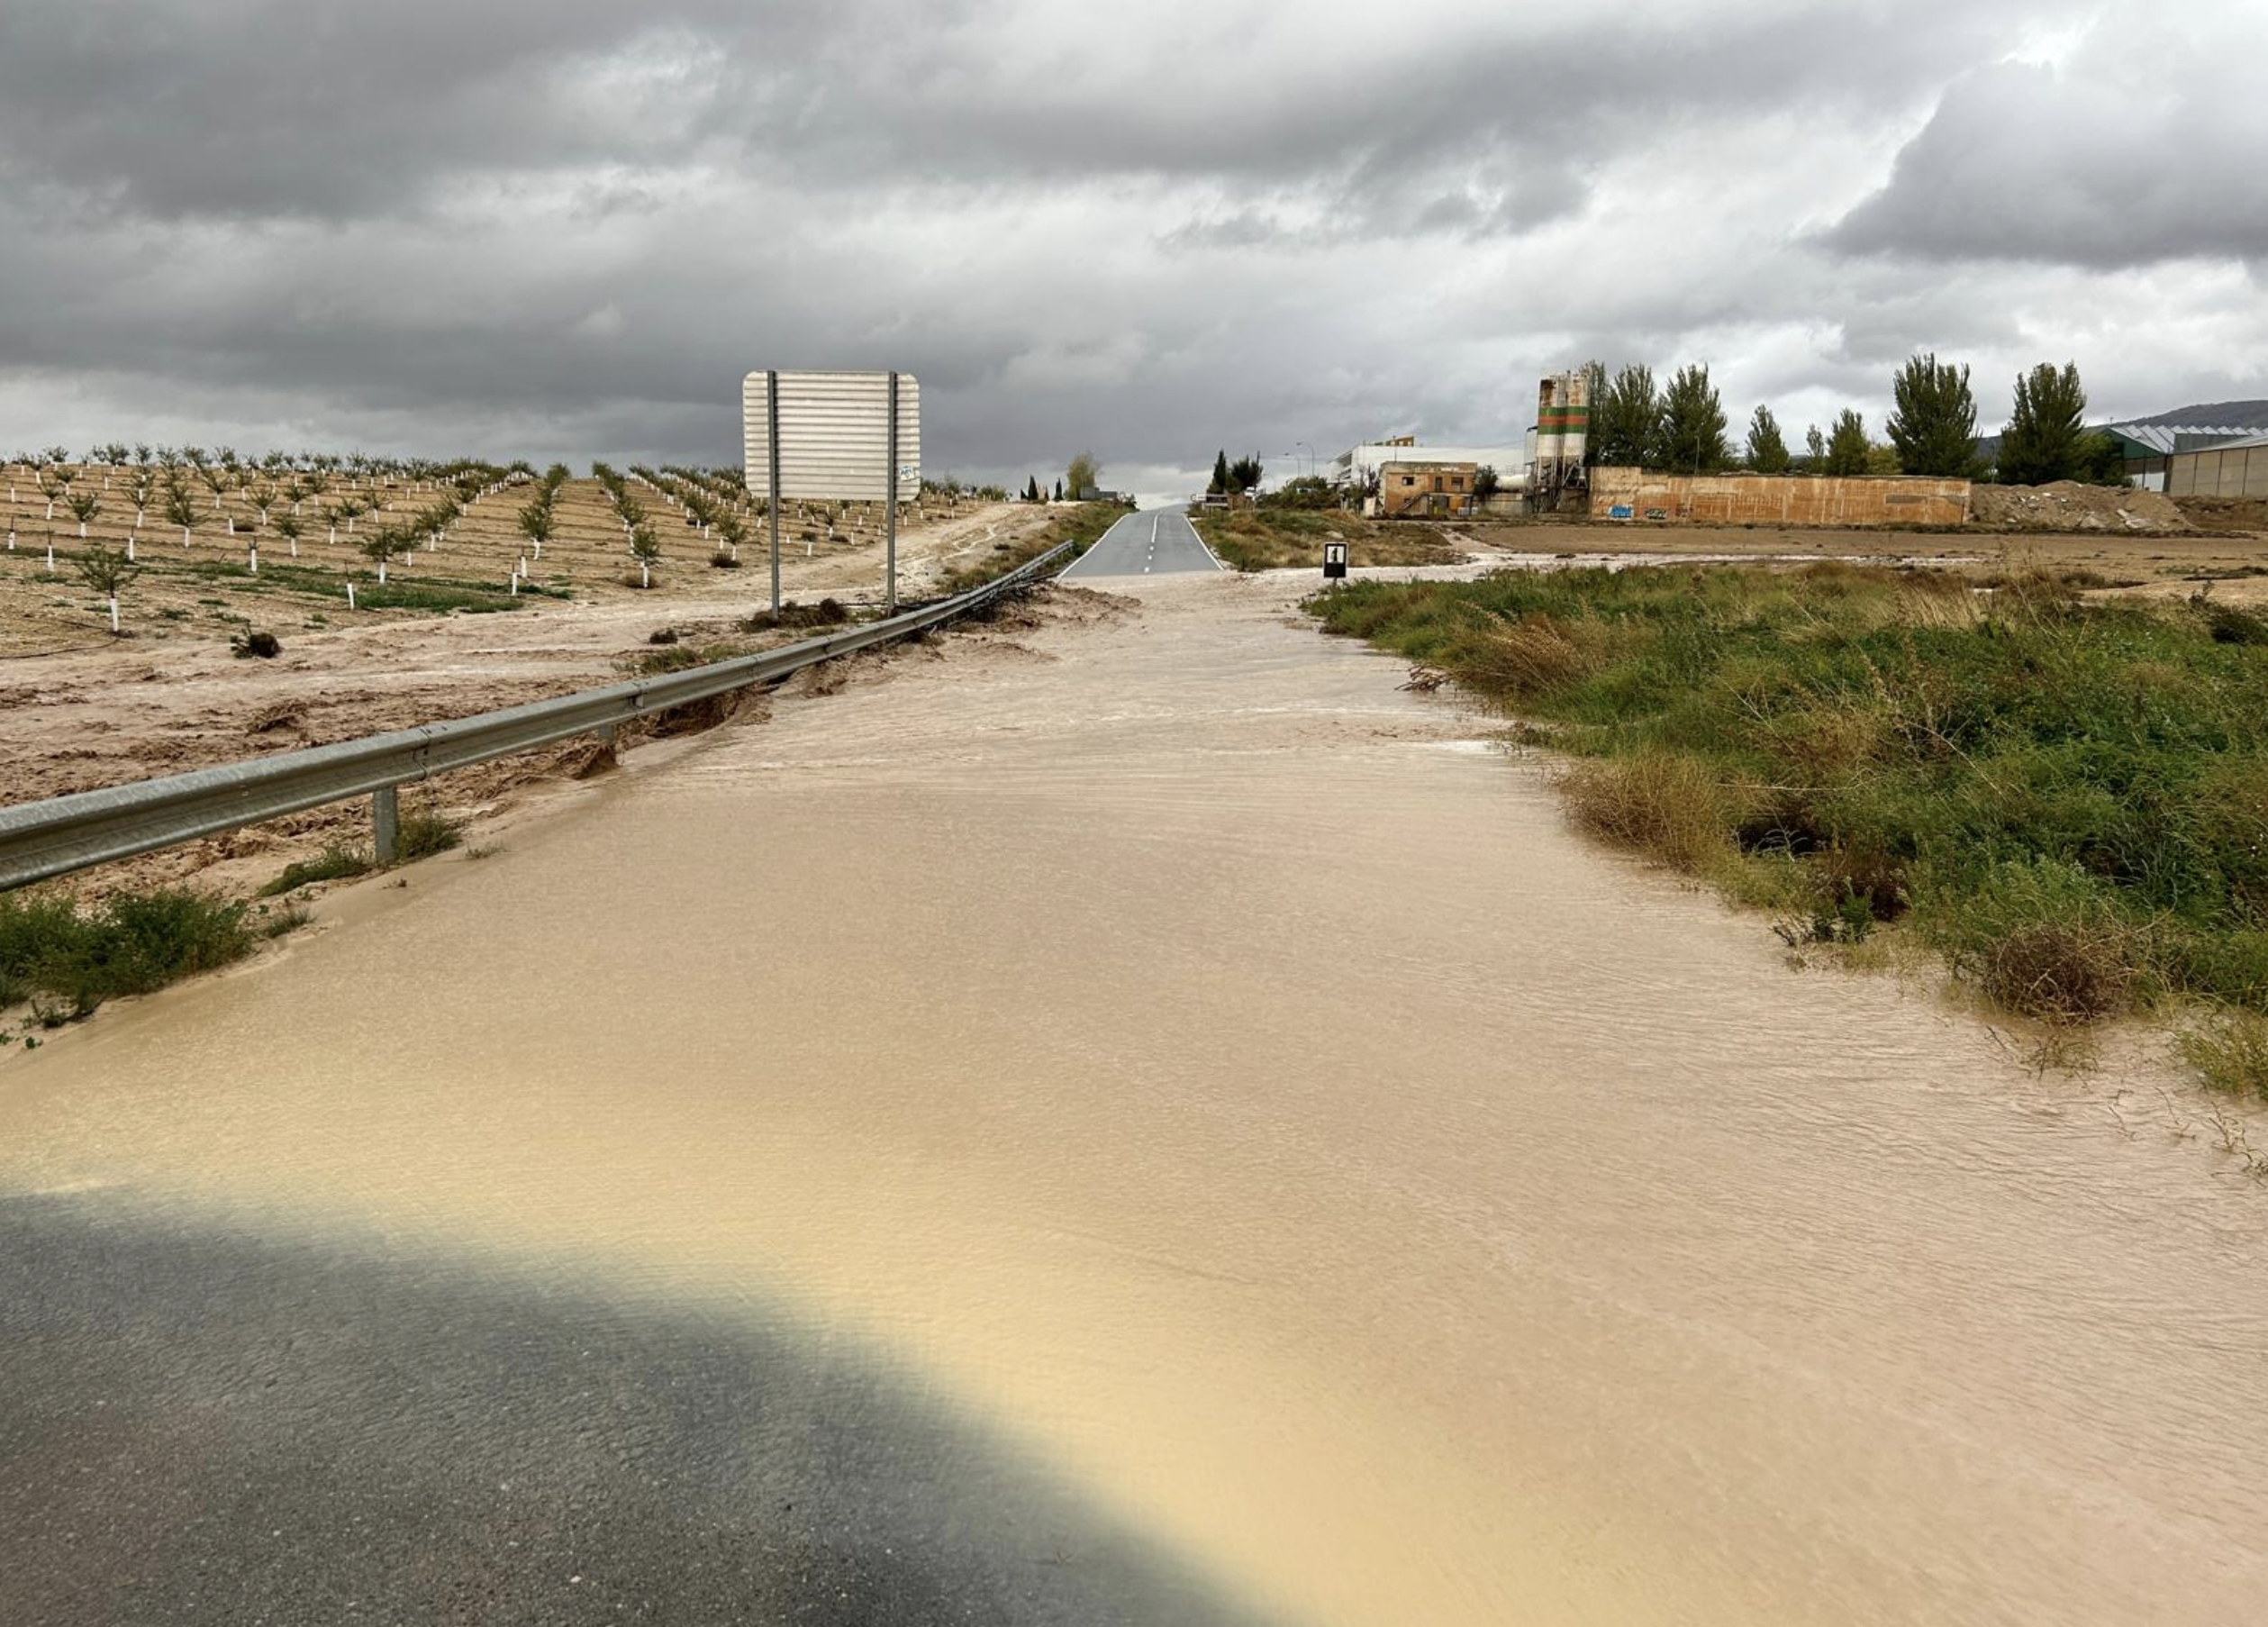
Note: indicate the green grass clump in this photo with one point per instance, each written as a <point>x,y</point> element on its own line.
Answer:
<point>399,592</point>
<point>2066,799</point>
<point>2229,1051</point>
<point>420,834</point>
<point>334,863</point>
<point>424,833</point>
<point>130,945</point>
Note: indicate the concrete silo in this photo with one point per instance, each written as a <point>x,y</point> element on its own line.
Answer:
<point>1563,431</point>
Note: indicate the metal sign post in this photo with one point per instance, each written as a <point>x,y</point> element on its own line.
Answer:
<point>772,462</point>
<point>817,437</point>
<point>890,509</point>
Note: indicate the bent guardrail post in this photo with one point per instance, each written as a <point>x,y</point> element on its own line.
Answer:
<point>43,840</point>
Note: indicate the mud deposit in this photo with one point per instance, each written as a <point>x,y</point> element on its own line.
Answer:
<point>1174,1066</point>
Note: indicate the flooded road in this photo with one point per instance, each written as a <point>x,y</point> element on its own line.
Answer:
<point>1158,1064</point>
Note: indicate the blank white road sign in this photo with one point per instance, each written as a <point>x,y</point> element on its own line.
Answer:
<point>834,435</point>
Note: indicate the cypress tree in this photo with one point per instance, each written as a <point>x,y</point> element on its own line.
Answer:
<point>1768,451</point>
<point>2044,441</point>
<point>1692,425</point>
<point>1935,426</point>
<point>1846,449</point>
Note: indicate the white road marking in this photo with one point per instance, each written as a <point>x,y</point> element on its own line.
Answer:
<point>1194,532</point>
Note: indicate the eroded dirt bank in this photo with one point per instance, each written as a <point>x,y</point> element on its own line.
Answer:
<point>1220,1070</point>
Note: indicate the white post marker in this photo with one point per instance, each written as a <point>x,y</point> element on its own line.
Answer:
<point>349,593</point>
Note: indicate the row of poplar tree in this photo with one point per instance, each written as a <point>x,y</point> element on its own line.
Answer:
<point>1933,430</point>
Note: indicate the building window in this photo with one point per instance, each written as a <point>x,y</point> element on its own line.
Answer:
<point>1410,480</point>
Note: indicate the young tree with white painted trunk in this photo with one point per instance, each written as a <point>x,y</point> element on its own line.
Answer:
<point>538,523</point>
<point>385,544</point>
<point>646,549</point>
<point>731,531</point>
<point>181,510</point>
<point>106,570</point>
<point>84,506</point>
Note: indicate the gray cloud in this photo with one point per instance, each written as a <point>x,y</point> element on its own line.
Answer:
<point>568,228</point>
<point>2023,162</point>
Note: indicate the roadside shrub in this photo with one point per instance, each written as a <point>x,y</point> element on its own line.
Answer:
<point>2042,939</point>
<point>2058,971</point>
<point>134,944</point>
<point>827,612</point>
<point>2229,625</point>
<point>1667,804</point>
<point>424,833</point>
<point>1537,654</point>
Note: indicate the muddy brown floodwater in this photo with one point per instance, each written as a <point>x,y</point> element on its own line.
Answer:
<point>1222,1073</point>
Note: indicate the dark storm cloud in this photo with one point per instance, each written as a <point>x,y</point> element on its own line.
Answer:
<point>2022,162</point>
<point>328,108</point>
<point>568,228</point>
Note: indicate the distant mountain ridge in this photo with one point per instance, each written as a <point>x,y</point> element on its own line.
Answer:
<point>2217,414</point>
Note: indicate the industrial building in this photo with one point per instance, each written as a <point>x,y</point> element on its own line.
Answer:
<point>1354,467</point>
<point>2149,448</point>
<point>2232,469</point>
<point>1436,489</point>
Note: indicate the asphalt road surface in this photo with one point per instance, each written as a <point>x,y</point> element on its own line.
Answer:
<point>208,1427</point>
<point>1143,545</point>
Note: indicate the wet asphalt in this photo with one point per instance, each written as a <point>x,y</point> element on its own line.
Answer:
<point>1160,542</point>
<point>207,1424</point>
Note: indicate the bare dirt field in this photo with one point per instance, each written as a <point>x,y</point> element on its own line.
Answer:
<point>2170,561</point>
<point>80,710</point>
<point>206,590</point>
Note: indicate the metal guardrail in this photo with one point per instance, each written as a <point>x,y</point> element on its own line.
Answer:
<point>41,840</point>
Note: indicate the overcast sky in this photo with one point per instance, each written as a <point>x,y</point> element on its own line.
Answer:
<point>567,229</point>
